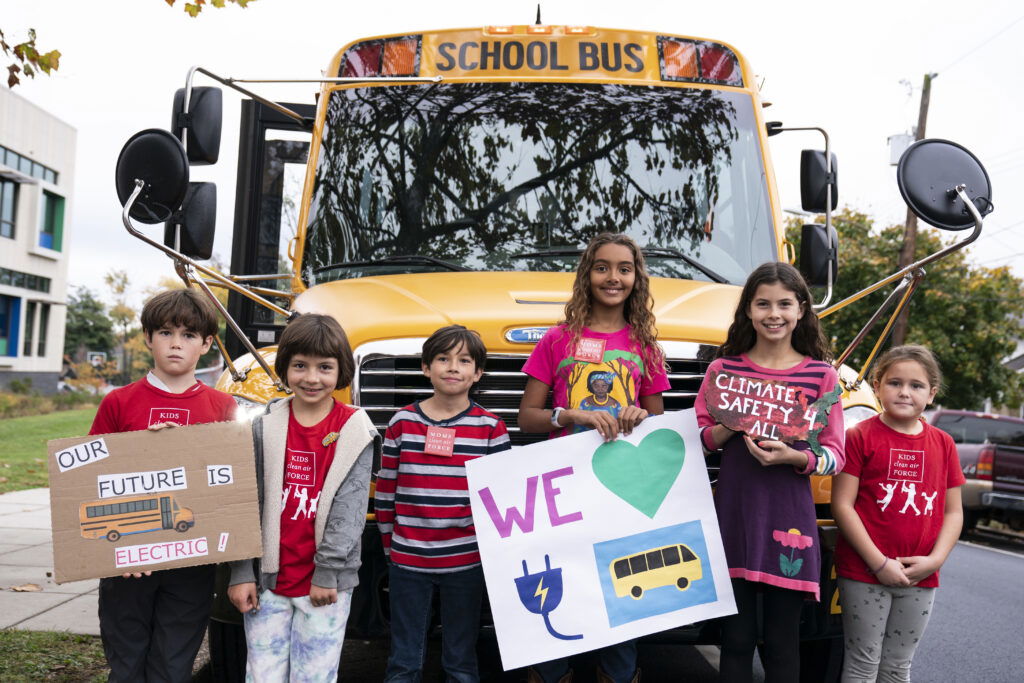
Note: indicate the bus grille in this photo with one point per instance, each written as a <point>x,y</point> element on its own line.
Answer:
<point>389,383</point>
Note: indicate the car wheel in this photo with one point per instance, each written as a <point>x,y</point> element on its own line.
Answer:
<point>113,535</point>
<point>181,526</point>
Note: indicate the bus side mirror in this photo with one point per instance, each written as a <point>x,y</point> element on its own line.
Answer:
<point>928,173</point>
<point>190,231</point>
<point>815,180</point>
<point>819,254</point>
<point>158,159</point>
<point>202,123</point>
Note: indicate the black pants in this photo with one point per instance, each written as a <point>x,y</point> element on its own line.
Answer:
<point>781,619</point>
<point>152,626</point>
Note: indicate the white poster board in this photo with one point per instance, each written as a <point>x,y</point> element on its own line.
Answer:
<point>587,544</point>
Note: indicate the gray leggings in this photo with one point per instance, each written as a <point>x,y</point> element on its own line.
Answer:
<point>882,626</point>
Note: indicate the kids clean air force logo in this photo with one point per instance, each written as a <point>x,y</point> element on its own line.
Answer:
<point>586,544</point>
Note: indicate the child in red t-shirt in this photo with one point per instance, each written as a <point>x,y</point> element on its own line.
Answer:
<point>152,623</point>
<point>313,460</point>
<point>897,503</point>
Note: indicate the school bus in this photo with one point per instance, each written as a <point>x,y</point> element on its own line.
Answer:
<point>113,518</point>
<point>454,176</point>
<point>670,565</point>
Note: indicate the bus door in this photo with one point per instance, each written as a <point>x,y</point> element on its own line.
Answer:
<point>166,516</point>
<point>272,154</point>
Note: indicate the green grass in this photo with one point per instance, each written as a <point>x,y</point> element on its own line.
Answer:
<point>23,450</point>
<point>49,656</point>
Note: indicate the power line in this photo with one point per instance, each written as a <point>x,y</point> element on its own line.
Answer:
<point>982,44</point>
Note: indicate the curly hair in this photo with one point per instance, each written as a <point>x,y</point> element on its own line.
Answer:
<point>807,338</point>
<point>638,309</point>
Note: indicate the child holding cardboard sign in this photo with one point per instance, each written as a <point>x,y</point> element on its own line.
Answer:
<point>605,371</point>
<point>764,503</point>
<point>313,460</point>
<point>423,511</point>
<point>152,623</point>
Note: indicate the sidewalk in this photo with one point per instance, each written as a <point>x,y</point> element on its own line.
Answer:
<point>26,556</point>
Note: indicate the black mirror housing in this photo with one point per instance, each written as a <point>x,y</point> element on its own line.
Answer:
<point>928,174</point>
<point>157,158</point>
<point>197,220</point>
<point>819,253</point>
<point>815,181</point>
<point>202,123</point>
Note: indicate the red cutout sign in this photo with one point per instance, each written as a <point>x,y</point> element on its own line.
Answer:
<point>762,409</point>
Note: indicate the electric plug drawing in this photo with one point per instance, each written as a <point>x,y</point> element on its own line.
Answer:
<point>541,593</point>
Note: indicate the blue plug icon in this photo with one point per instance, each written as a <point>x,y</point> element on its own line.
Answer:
<point>541,593</point>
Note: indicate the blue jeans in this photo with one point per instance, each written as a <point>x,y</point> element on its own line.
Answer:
<point>617,661</point>
<point>411,595</point>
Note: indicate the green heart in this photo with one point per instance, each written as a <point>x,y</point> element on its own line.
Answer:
<point>641,475</point>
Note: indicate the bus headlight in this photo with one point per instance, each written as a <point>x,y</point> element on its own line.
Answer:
<point>246,409</point>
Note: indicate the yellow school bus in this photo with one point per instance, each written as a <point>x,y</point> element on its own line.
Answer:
<point>670,565</point>
<point>112,518</point>
<point>454,176</point>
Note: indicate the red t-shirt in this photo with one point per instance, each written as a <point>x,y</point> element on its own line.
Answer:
<point>902,495</point>
<point>140,404</point>
<point>309,452</point>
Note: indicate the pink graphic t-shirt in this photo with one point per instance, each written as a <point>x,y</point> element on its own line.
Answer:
<point>604,372</point>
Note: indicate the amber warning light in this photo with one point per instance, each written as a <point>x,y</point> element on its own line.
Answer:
<point>389,57</point>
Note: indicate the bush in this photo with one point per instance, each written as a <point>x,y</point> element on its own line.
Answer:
<point>20,404</point>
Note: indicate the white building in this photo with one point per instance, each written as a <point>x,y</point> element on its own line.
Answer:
<point>37,159</point>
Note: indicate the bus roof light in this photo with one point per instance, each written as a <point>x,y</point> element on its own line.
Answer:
<point>362,60</point>
<point>400,57</point>
<point>698,61</point>
<point>579,30</point>
<point>719,65</point>
<point>680,60</point>
<point>500,30</point>
<point>535,29</point>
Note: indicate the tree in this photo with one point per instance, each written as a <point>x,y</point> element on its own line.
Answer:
<point>969,316</point>
<point>123,317</point>
<point>28,60</point>
<point>88,326</point>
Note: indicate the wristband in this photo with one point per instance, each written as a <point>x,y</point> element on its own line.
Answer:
<point>880,567</point>
<point>554,416</point>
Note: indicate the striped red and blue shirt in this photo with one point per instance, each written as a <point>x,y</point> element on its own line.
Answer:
<point>422,501</point>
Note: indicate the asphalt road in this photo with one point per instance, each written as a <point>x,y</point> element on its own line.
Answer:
<point>976,633</point>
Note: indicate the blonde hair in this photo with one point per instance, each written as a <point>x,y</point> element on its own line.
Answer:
<point>919,354</point>
<point>638,310</point>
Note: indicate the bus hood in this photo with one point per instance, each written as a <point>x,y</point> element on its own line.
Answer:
<point>493,303</point>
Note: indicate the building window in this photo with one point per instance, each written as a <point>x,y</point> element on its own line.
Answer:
<point>51,232</point>
<point>30,322</point>
<point>16,278</point>
<point>9,311</point>
<point>27,166</point>
<point>44,323</point>
<point>8,206</point>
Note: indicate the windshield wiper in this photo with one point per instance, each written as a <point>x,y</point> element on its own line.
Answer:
<point>648,251</point>
<point>675,253</point>
<point>391,260</point>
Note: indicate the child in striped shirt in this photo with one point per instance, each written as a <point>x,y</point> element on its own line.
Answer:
<point>423,512</point>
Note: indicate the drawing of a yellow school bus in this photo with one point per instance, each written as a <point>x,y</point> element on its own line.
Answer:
<point>665,566</point>
<point>133,515</point>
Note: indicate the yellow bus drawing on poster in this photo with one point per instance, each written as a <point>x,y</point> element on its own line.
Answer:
<point>133,515</point>
<point>670,565</point>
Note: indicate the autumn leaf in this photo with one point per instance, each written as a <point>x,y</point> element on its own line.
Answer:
<point>27,588</point>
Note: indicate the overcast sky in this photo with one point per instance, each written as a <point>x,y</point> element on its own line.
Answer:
<point>843,66</point>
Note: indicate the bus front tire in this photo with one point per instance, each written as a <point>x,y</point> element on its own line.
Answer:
<point>113,535</point>
<point>683,583</point>
<point>181,526</point>
<point>636,592</point>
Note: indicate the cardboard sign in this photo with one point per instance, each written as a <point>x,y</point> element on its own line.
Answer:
<point>140,501</point>
<point>762,409</point>
<point>586,544</point>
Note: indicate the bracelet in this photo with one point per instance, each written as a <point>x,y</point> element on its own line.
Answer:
<point>880,567</point>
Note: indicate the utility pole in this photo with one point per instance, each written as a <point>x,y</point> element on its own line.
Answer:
<point>899,330</point>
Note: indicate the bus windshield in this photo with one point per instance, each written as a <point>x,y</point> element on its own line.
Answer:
<point>519,176</point>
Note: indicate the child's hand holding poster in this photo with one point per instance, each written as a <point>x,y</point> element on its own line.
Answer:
<point>139,501</point>
<point>765,409</point>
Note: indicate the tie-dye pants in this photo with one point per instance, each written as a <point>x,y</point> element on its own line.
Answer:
<point>290,640</point>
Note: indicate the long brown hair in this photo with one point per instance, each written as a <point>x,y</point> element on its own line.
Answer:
<point>807,338</point>
<point>638,309</point>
